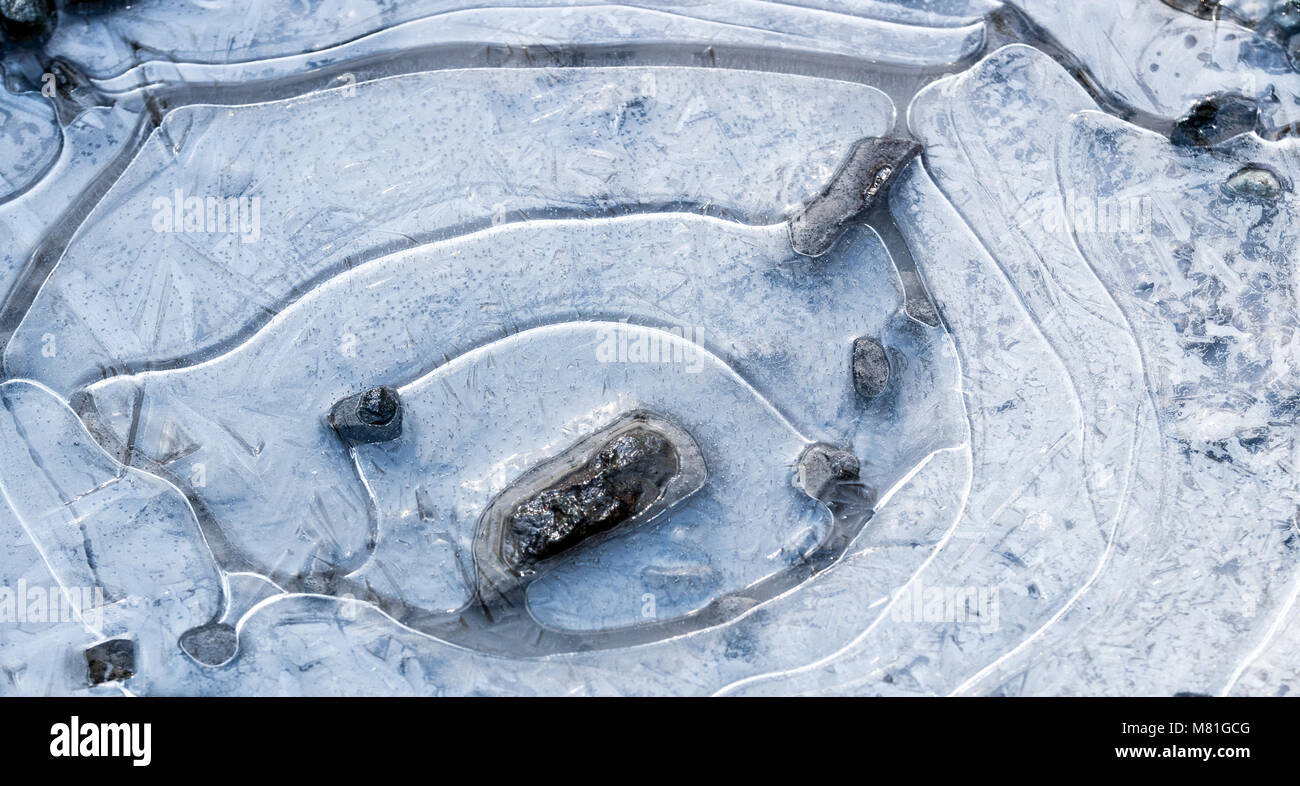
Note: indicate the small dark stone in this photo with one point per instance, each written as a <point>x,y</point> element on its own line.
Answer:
<point>865,177</point>
<point>24,20</point>
<point>212,644</point>
<point>1216,119</point>
<point>870,367</point>
<point>822,468</point>
<point>378,406</point>
<point>110,661</point>
<point>372,416</point>
<point>623,479</point>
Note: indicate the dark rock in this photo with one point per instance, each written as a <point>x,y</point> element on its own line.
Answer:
<point>1286,15</point>
<point>212,644</point>
<point>372,416</point>
<point>110,661</point>
<point>24,20</point>
<point>823,468</point>
<point>870,365</point>
<point>378,406</point>
<point>865,177</point>
<point>1216,119</point>
<point>626,476</point>
<point>611,480</point>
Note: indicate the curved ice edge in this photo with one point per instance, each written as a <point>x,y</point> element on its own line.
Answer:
<point>545,36</point>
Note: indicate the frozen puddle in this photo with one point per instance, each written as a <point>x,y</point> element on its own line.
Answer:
<point>909,347</point>
<point>284,492</point>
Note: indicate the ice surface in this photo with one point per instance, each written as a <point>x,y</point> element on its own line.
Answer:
<point>551,142</point>
<point>29,138</point>
<point>748,522</point>
<point>122,545</point>
<point>1129,284</point>
<point>1154,59</point>
<point>260,467</point>
<point>274,31</point>
<point>532,220</point>
<point>88,145</point>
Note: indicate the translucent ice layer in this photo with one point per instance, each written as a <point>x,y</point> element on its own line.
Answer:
<point>29,140</point>
<point>1158,61</point>
<point>299,318</point>
<point>216,427</point>
<point>912,33</point>
<point>198,239</point>
<point>557,384</point>
<point>30,220</point>
<point>121,546</point>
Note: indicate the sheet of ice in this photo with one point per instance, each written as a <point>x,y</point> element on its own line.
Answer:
<point>123,545</point>
<point>1022,529</point>
<point>555,385</point>
<point>1160,61</point>
<point>1012,107</point>
<point>353,650</point>
<point>1211,411</point>
<point>1270,669</point>
<point>1207,573</point>
<point>1090,464</point>
<point>29,140</point>
<point>817,617</point>
<point>443,153</point>
<point>737,290</point>
<point>38,652</point>
<point>280,37</point>
<point>83,149</point>
<point>1250,11</point>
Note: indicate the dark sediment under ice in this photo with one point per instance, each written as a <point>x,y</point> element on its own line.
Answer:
<point>1214,120</point>
<point>23,20</point>
<point>870,367</point>
<point>822,468</point>
<point>110,661</point>
<point>862,179</point>
<point>212,644</point>
<point>624,479</point>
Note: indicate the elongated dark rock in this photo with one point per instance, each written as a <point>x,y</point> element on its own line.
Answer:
<point>624,478</point>
<point>624,474</point>
<point>870,365</point>
<point>863,178</point>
